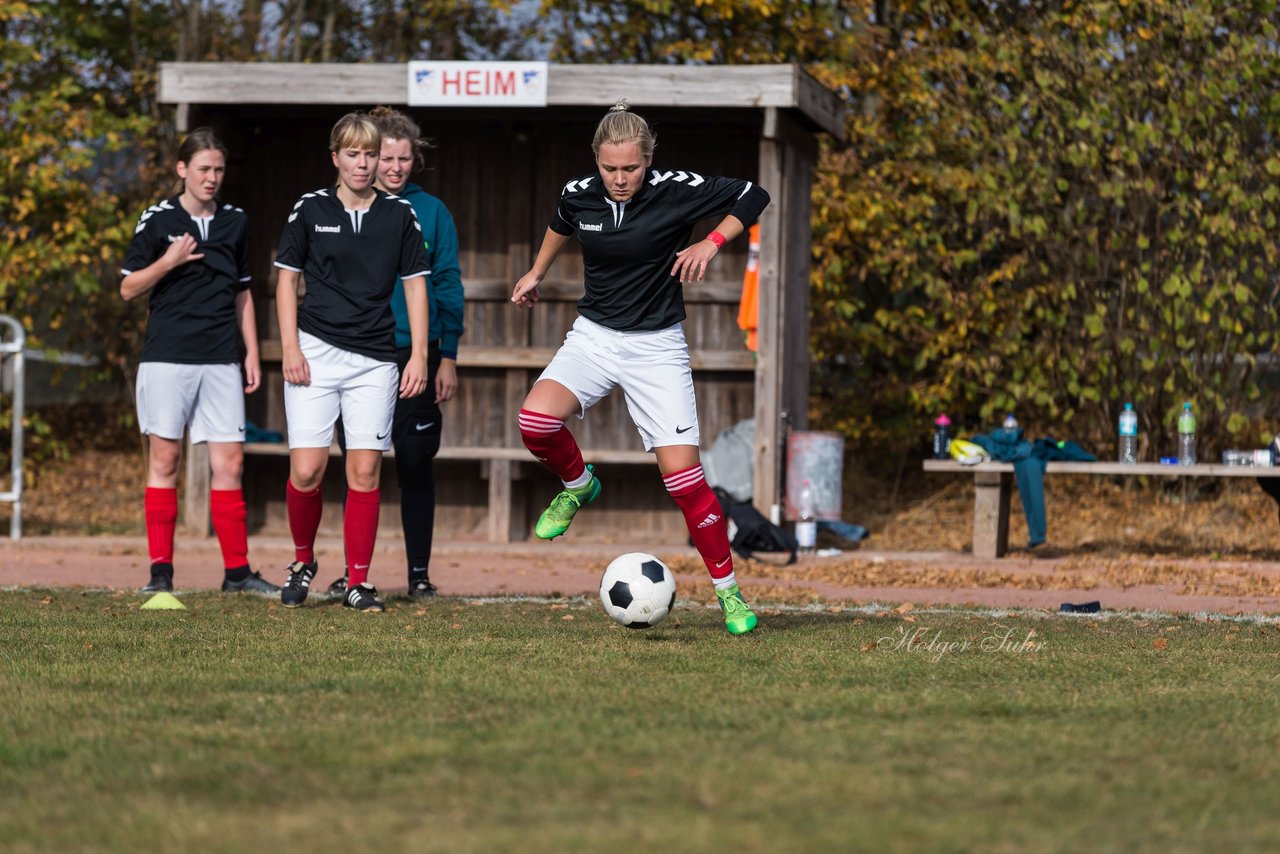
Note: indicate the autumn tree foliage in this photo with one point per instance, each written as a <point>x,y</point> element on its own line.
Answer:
<point>1054,208</point>
<point>64,187</point>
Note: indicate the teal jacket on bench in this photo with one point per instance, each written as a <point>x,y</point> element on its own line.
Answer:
<point>1028,469</point>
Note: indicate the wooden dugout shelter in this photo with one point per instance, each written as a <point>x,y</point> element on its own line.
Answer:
<point>500,172</point>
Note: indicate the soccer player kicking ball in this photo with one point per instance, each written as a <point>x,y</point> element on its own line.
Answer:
<point>630,222</point>
<point>350,241</point>
<point>191,255</point>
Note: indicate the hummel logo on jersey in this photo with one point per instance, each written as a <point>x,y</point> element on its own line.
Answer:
<point>329,229</point>
<point>589,227</point>
<point>709,521</point>
<point>174,238</point>
<point>575,186</point>
<point>678,177</point>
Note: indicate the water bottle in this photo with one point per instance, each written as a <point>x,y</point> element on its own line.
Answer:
<point>807,520</point>
<point>1187,436</point>
<point>1128,435</point>
<point>1010,425</point>
<point>942,438</point>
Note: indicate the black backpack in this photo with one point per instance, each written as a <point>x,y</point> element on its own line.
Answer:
<point>755,533</point>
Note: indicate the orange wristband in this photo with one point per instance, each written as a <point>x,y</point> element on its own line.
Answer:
<point>718,239</point>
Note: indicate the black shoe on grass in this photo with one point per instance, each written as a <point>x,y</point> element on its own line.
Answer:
<point>298,584</point>
<point>161,579</point>
<point>251,583</point>
<point>338,587</point>
<point>421,588</point>
<point>363,597</point>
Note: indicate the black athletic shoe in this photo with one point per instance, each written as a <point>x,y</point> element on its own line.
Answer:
<point>363,597</point>
<point>298,584</point>
<point>252,583</point>
<point>338,587</point>
<point>161,579</point>
<point>421,588</point>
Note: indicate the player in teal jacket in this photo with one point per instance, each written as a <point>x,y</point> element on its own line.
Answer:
<point>416,430</point>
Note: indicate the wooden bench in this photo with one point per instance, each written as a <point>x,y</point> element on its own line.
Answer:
<point>993,487</point>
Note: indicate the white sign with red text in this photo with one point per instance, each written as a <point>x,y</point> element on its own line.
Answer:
<point>477,84</point>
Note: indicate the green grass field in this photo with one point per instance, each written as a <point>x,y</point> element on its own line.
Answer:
<point>461,726</point>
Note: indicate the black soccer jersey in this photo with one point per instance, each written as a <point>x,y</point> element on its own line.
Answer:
<point>350,260</point>
<point>628,248</point>
<point>191,313</point>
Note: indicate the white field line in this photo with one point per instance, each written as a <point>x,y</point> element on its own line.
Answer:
<point>873,609</point>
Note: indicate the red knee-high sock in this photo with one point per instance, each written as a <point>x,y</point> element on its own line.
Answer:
<point>359,532</point>
<point>160,508</point>
<point>304,510</point>
<point>705,518</point>
<point>548,440</point>
<point>226,506</point>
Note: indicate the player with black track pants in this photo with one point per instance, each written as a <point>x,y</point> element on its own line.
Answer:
<point>338,348</point>
<point>631,221</point>
<point>416,430</point>
<point>190,255</point>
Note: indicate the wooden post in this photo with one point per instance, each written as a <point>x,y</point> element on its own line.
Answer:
<point>195,515</point>
<point>499,500</point>
<point>991,513</point>
<point>787,156</point>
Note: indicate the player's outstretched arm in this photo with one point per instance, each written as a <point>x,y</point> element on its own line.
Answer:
<point>691,262</point>
<point>181,251</point>
<point>292,362</point>
<point>526,290</point>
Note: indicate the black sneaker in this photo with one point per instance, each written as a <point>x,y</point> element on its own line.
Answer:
<point>161,579</point>
<point>363,597</point>
<point>421,588</point>
<point>298,584</point>
<point>251,583</point>
<point>338,587</point>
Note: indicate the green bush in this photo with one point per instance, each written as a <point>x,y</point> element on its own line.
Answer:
<point>1054,209</point>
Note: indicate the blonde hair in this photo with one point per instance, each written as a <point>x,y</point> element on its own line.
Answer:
<point>394,124</point>
<point>355,130</point>
<point>621,126</point>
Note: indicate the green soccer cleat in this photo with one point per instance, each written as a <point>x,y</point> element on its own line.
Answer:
<point>557,518</point>
<point>738,619</point>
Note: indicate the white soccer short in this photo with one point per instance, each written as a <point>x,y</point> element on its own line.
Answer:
<point>652,369</point>
<point>207,398</point>
<point>362,389</point>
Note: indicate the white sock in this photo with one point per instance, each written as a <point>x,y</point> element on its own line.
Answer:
<point>724,583</point>
<point>580,481</point>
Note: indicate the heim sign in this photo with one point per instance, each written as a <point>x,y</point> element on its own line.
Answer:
<point>477,84</point>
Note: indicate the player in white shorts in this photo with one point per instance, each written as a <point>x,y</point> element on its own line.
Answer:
<point>190,254</point>
<point>630,223</point>
<point>338,346</point>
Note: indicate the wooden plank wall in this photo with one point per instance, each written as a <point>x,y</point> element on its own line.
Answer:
<point>500,173</point>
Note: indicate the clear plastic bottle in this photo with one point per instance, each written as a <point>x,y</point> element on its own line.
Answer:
<point>942,437</point>
<point>1128,435</point>
<point>1010,425</point>
<point>1187,436</point>
<point>807,518</point>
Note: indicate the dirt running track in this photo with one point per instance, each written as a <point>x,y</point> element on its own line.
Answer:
<point>1173,584</point>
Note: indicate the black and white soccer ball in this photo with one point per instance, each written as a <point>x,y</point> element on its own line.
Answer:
<point>638,590</point>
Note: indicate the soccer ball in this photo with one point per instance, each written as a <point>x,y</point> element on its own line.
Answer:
<point>638,590</point>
